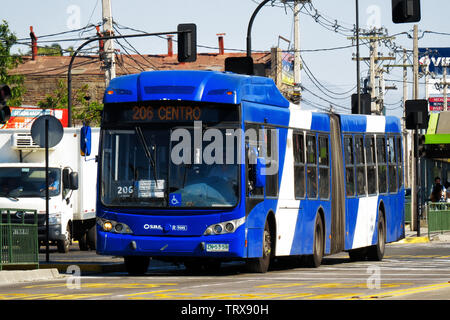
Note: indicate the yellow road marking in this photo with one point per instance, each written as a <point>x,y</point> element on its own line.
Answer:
<point>403,292</point>
<point>281,285</point>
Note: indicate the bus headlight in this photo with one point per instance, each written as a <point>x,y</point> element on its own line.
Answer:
<point>224,227</point>
<point>113,226</point>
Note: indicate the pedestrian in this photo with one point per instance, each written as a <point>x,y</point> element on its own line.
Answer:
<point>438,192</point>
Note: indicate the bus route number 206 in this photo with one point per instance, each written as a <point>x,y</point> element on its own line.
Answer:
<point>142,113</point>
<point>124,191</point>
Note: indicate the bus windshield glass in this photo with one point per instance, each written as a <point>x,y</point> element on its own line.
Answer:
<point>28,182</point>
<point>158,164</point>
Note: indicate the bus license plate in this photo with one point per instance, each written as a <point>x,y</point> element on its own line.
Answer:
<point>217,247</point>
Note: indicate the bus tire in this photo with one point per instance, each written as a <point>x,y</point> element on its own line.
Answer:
<point>315,259</point>
<point>136,265</point>
<point>376,252</point>
<point>261,265</point>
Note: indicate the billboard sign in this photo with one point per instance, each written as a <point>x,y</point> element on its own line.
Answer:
<point>437,103</point>
<point>287,73</point>
<point>23,117</point>
<point>435,59</point>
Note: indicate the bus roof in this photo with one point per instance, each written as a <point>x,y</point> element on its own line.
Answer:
<point>201,86</point>
<point>370,123</point>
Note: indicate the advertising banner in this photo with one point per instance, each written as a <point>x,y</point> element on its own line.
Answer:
<point>23,117</point>
<point>437,103</point>
<point>435,59</point>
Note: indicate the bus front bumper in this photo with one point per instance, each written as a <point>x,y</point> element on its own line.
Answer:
<point>220,246</point>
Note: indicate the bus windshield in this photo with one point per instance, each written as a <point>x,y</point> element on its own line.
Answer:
<point>139,169</point>
<point>28,182</point>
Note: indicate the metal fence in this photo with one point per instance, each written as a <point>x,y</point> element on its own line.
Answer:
<point>438,215</point>
<point>407,209</point>
<point>19,237</point>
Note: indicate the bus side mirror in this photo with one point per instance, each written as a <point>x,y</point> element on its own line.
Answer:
<point>85,141</point>
<point>260,173</point>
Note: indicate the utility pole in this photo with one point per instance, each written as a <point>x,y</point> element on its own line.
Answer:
<point>297,62</point>
<point>415,161</point>
<point>109,61</point>
<point>444,79</point>
<point>374,36</point>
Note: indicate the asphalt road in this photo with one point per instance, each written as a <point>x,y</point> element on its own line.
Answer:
<point>408,272</point>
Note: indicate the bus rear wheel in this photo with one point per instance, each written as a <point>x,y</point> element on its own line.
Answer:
<point>315,260</point>
<point>136,265</point>
<point>261,265</point>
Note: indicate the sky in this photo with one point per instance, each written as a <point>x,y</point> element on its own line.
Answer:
<point>334,69</point>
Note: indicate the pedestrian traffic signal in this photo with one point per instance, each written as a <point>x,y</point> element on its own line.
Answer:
<point>5,111</point>
<point>405,11</point>
<point>187,42</point>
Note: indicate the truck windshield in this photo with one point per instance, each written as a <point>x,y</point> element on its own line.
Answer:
<point>28,182</point>
<point>139,169</point>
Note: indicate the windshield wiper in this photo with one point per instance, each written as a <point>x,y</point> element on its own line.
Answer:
<point>147,152</point>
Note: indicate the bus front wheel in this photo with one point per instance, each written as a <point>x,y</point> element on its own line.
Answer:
<point>136,265</point>
<point>261,265</point>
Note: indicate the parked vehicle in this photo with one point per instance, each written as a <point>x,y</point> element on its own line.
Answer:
<point>72,184</point>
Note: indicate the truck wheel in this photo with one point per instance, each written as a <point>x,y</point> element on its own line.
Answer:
<point>261,265</point>
<point>136,265</point>
<point>91,237</point>
<point>82,242</point>
<point>64,245</point>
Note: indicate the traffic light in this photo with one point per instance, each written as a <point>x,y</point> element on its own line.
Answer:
<point>5,111</point>
<point>416,112</point>
<point>187,42</point>
<point>366,101</point>
<point>421,150</point>
<point>405,11</point>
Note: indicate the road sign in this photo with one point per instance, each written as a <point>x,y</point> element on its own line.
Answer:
<point>55,131</point>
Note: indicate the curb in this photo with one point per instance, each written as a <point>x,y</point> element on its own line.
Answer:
<point>414,240</point>
<point>8,277</point>
<point>85,267</point>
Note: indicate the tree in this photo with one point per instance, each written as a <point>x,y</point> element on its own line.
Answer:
<point>84,110</point>
<point>8,62</point>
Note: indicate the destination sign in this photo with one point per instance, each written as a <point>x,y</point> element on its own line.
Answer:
<point>138,113</point>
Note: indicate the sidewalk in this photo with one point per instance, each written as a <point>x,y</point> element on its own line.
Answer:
<point>435,237</point>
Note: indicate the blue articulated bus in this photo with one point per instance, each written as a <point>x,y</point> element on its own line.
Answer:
<point>204,167</point>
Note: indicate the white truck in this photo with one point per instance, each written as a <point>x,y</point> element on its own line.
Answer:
<point>72,211</point>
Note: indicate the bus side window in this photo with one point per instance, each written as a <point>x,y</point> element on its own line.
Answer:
<point>392,156</point>
<point>360,166</point>
<point>311,167</point>
<point>381,162</point>
<point>398,151</point>
<point>252,151</point>
<point>299,164</point>
<point>271,136</point>
<point>371,165</point>
<point>324,168</point>
<point>349,166</point>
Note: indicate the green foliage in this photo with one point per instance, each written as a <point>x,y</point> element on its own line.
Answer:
<point>83,110</point>
<point>8,62</point>
<point>53,50</point>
